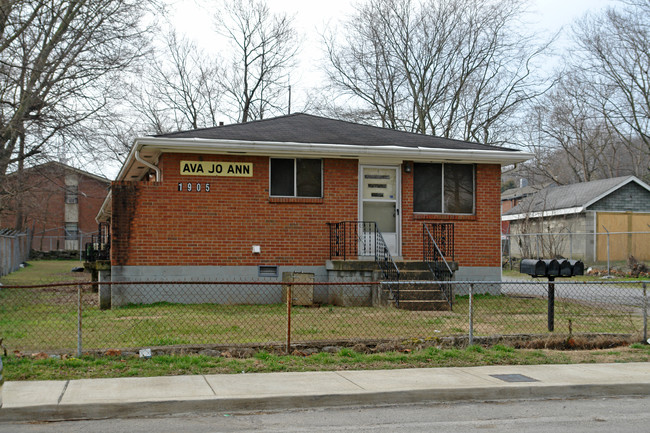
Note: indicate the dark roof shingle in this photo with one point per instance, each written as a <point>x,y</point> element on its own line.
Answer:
<point>307,128</point>
<point>567,196</point>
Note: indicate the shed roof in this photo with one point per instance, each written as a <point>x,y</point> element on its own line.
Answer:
<point>566,199</point>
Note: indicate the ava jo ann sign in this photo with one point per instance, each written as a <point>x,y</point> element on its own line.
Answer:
<point>209,168</point>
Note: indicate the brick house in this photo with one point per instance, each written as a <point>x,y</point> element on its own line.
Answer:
<point>57,202</point>
<point>255,200</point>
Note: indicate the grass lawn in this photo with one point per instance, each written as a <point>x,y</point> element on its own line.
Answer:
<point>45,319</point>
<point>345,359</point>
<point>46,272</point>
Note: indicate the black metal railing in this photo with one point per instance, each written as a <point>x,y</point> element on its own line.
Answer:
<point>443,234</point>
<point>99,247</point>
<point>437,246</point>
<point>352,239</point>
<point>357,239</point>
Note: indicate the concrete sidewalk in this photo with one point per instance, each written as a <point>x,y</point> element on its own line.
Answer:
<point>147,396</point>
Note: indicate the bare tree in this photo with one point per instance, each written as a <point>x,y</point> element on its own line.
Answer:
<point>56,58</point>
<point>614,52</point>
<point>451,68</point>
<point>58,62</point>
<point>573,141</point>
<point>180,90</point>
<point>265,46</point>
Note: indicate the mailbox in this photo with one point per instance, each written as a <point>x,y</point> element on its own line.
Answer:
<point>566,270</point>
<point>552,268</point>
<point>532,267</point>
<point>577,267</point>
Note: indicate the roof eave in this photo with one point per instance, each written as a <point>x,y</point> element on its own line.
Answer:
<point>543,214</point>
<point>105,210</point>
<point>198,145</point>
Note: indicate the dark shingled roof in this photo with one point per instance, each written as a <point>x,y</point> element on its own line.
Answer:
<point>567,196</point>
<point>306,128</point>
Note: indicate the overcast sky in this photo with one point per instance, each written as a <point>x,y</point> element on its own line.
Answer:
<point>194,18</point>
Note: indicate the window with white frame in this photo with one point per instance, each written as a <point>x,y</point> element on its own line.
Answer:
<point>299,177</point>
<point>71,231</point>
<point>71,194</point>
<point>443,188</point>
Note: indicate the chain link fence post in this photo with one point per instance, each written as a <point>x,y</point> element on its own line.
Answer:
<point>471,314</point>
<point>289,302</point>
<point>551,304</point>
<point>79,311</point>
<point>645,315</point>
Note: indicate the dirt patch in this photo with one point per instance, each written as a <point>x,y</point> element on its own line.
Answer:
<point>575,342</point>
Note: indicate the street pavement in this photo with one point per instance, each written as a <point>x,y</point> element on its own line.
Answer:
<point>605,292</point>
<point>151,396</point>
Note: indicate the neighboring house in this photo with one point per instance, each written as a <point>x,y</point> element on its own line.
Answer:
<point>575,219</point>
<point>58,203</point>
<point>511,198</point>
<point>255,200</point>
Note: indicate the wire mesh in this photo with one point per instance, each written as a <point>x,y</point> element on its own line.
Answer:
<point>151,314</point>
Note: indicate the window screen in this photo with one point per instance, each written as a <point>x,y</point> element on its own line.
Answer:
<point>455,196</point>
<point>282,177</point>
<point>459,188</point>
<point>308,174</point>
<point>427,188</point>
<point>296,177</point>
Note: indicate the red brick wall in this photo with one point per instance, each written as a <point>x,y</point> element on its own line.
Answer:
<point>477,237</point>
<point>91,196</point>
<point>41,197</point>
<point>155,225</point>
<point>43,203</point>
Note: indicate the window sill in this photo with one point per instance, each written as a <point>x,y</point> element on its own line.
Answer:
<point>306,200</point>
<point>442,216</point>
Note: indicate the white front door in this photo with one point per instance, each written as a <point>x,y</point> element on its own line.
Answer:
<point>379,201</point>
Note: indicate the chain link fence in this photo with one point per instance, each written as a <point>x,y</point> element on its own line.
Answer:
<point>67,316</point>
<point>627,252</point>
<point>14,250</point>
<point>60,239</point>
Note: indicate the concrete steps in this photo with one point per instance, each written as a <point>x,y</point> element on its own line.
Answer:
<point>416,297</point>
<point>423,296</point>
<point>420,297</point>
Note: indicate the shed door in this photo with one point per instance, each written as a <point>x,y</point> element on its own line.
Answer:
<point>380,202</point>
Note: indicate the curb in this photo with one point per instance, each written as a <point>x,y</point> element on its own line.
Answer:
<point>211,405</point>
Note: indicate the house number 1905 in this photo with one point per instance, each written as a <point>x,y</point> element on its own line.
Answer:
<point>189,187</point>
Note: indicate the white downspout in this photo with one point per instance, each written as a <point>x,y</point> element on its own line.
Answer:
<point>148,164</point>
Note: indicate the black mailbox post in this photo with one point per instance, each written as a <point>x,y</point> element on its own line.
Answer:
<point>551,269</point>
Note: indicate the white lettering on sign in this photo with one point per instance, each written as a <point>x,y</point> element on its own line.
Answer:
<point>209,168</point>
<point>190,186</point>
